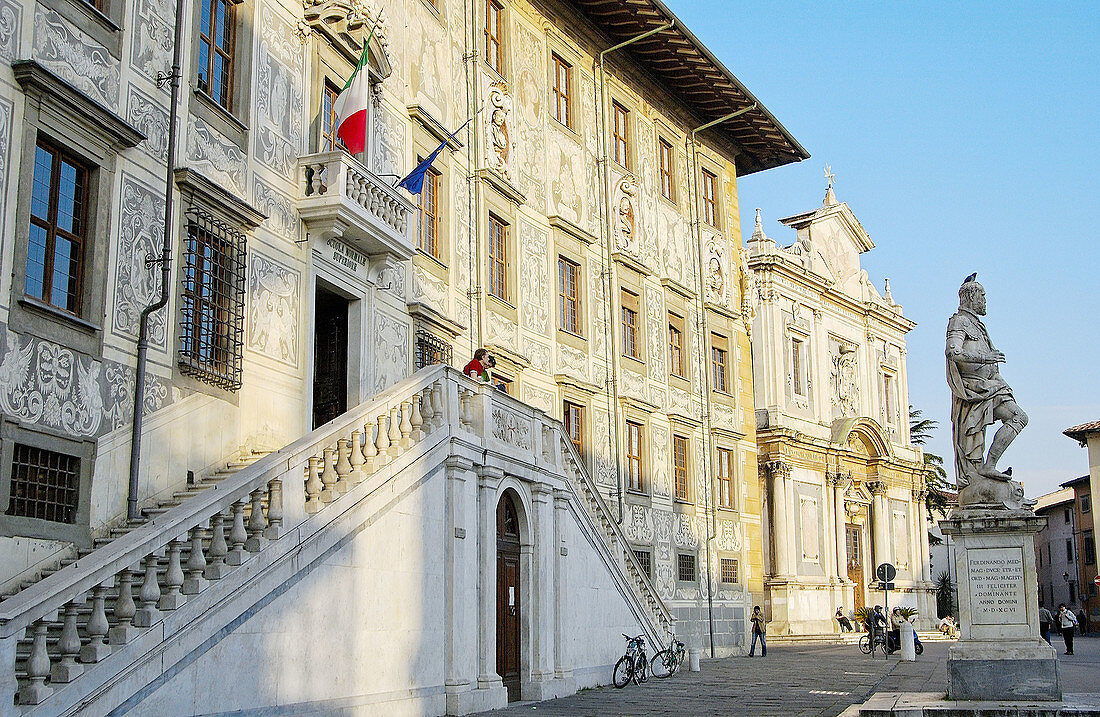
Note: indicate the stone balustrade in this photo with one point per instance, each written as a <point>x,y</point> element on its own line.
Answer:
<point>340,197</point>
<point>58,629</point>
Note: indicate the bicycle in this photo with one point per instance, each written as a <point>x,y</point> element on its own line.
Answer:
<point>870,642</point>
<point>667,661</point>
<point>632,665</point>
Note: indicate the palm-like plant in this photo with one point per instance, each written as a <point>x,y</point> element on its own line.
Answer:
<point>863,614</point>
<point>945,594</point>
<point>920,432</point>
<point>907,613</point>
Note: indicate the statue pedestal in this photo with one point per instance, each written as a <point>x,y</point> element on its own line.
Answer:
<point>999,655</point>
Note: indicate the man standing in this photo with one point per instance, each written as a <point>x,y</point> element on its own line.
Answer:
<point>758,630</point>
<point>1045,619</point>
<point>979,398</point>
<point>1067,622</point>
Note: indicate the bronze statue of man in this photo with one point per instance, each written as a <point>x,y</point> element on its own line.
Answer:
<point>979,398</point>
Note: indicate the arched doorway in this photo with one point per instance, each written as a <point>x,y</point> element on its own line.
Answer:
<point>508,594</point>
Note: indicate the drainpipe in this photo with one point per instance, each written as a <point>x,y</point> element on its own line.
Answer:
<point>612,385</point>
<point>474,290</point>
<point>165,262</point>
<point>702,329</point>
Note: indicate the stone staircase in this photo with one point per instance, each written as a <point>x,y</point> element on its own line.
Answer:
<point>846,638</point>
<point>84,635</point>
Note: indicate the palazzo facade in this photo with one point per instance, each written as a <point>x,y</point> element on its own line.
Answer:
<point>844,485</point>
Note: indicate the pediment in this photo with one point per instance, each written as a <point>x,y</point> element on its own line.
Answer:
<point>347,24</point>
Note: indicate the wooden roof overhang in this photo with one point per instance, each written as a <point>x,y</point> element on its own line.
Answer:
<point>694,75</point>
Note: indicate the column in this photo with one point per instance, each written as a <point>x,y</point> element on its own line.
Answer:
<point>838,485</point>
<point>488,480</point>
<point>562,626</point>
<point>542,575</point>
<point>831,535</point>
<point>459,584</point>
<point>922,525</point>
<point>880,523</point>
<point>780,472</point>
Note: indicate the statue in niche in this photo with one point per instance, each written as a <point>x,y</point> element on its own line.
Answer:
<point>500,133</point>
<point>845,380</point>
<point>628,216</point>
<point>980,398</point>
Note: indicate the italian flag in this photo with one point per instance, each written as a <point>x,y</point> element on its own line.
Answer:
<point>352,105</point>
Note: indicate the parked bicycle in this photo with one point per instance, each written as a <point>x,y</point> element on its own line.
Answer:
<point>667,661</point>
<point>631,666</point>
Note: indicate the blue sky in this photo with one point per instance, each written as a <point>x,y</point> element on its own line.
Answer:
<point>965,138</point>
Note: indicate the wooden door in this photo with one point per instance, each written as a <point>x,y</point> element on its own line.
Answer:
<point>508,598</point>
<point>330,358</point>
<point>854,542</point>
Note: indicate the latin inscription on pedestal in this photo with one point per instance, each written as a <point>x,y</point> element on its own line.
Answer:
<point>996,586</point>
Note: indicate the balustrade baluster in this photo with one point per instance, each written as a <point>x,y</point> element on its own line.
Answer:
<point>437,403</point>
<point>124,629</point>
<point>256,522</point>
<point>34,690</point>
<point>172,599</point>
<point>464,418</point>
<point>343,467</point>
<point>370,451</point>
<point>416,420</point>
<point>395,432</point>
<point>148,614</point>
<point>314,486</point>
<point>97,628</point>
<point>426,408</point>
<point>237,536</point>
<point>68,644</point>
<point>328,476</point>
<point>383,442</point>
<point>196,565</point>
<point>406,425</point>
<point>216,567</point>
<point>356,459</point>
<point>274,529</point>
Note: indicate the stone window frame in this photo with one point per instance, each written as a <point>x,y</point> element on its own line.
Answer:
<point>557,44</point>
<point>425,141</point>
<point>677,323</point>
<point>498,205</point>
<point>734,568</point>
<point>79,531</point>
<point>645,561</point>
<point>730,453</point>
<point>569,247</point>
<point>662,142</point>
<point>231,122</point>
<point>720,344</point>
<point>694,578</point>
<point>798,371</point>
<point>568,94</point>
<point>618,107</point>
<point>643,485</point>
<point>102,24</point>
<point>58,112</point>
<point>686,437</point>
<point>891,409</point>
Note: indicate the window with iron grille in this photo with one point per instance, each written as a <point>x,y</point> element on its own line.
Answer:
<point>431,350</point>
<point>212,309</point>
<point>680,466</point>
<point>217,44</point>
<point>645,560</point>
<point>44,484</point>
<point>729,570</point>
<point>685,567</point>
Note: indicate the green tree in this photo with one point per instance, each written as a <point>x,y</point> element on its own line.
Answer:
<point>945,595</point>
<point>920,432</point>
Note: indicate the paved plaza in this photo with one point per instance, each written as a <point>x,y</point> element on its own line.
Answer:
<point>792,680</point>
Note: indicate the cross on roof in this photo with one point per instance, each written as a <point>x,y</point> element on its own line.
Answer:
<point>829,176</point>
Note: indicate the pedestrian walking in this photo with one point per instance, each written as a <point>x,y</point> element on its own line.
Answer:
<point>1083,621</point>
<point>845,623</point>
<point>1045,620</point>
<point>1067,622</point>
<point>758,631</point>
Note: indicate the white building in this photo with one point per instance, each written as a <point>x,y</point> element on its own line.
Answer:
<point>1055,550</point>
<point>845,487</point>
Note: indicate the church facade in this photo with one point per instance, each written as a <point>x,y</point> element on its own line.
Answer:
<point>844,485</point>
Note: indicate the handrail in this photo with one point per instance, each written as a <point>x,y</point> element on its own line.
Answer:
<point>51,593</point>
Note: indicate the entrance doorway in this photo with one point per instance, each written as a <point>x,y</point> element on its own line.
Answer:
<point>853,537</point>
<point>508,603</point>
<point>330,357</point>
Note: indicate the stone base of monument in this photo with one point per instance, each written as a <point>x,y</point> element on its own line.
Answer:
<point>933,704</point>
<point>999,655</point>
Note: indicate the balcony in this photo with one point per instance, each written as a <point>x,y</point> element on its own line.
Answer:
<point>339,197</point>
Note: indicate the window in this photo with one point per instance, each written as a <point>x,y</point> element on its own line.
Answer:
<point>1066,515</point>
<point>213,301</point>
<point>1040,554</point>
<point>676,345</point>
<point>1089,545</point>
<point>1069,550</point>
<point>429,214</point>
<point>498,258</point>
<point>431,350</point>
<point>44,484</point>
<point>645,560</point>
<point>217,34</point>
<point>503,384</point>
<point>796,367</point>
<point>621,134</point>
<point>55,248</point>
<point>667,186</point>
<point>568,296</point>
<point>573,419</point>
<point>729,570</point>
<point>563,90</point>
<point>680,447</point>
<point>854,545</point>
<point>889,400</point>
<point>329,140</point>
<point>725,478</point>
<point>494,35</point>
<point>634,456</point>
<point>1086,503</point>
<point>97,4</point>
<point>630,324</point>
<point>685,567</point>
<point>710,206</point>
<point>719,357</point>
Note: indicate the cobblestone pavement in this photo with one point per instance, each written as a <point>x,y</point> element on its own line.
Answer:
<point>792,680</point>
